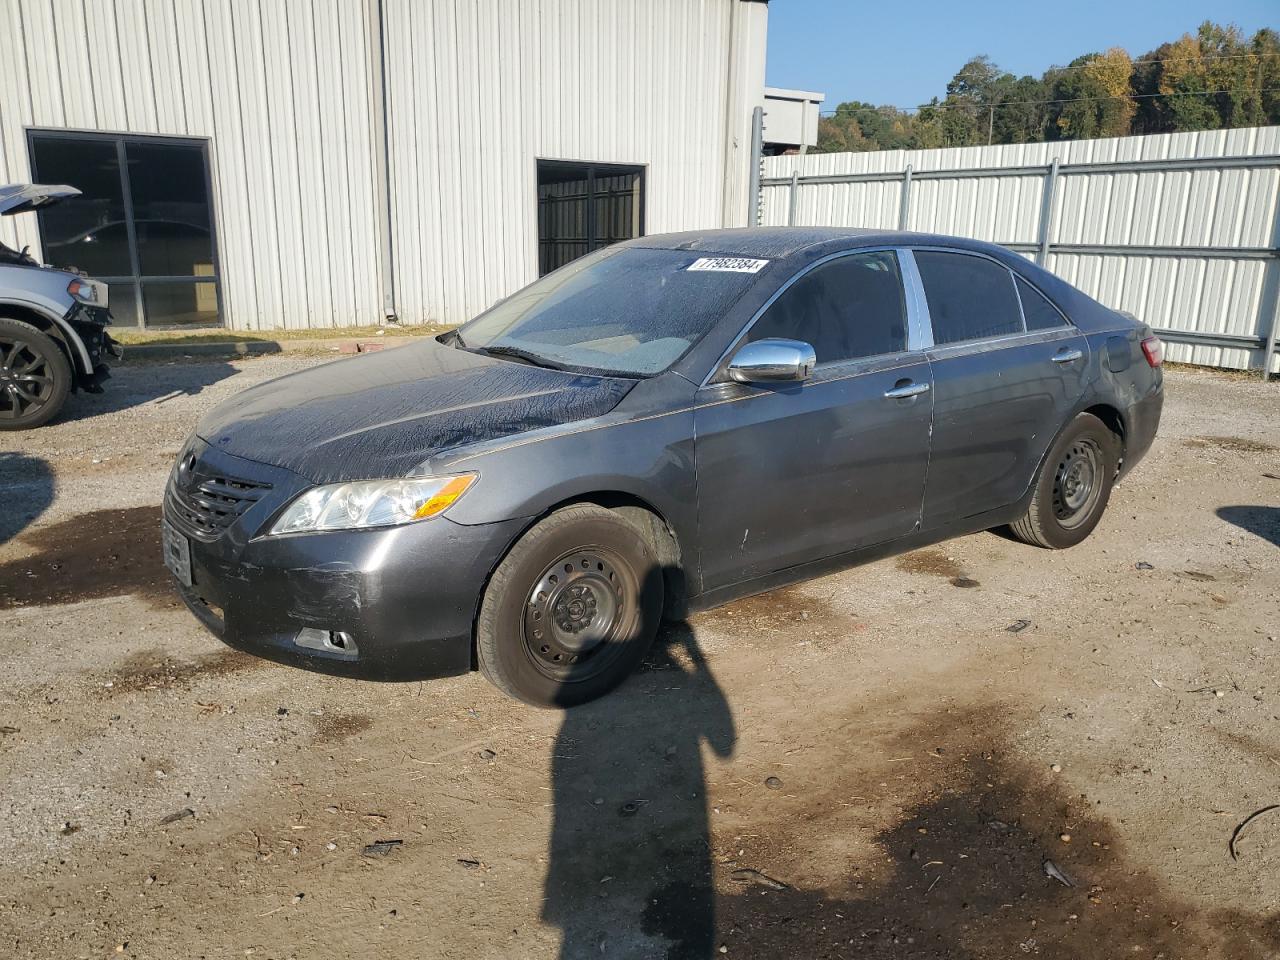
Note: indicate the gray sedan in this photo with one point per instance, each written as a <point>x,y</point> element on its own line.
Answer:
<point>662,426</point>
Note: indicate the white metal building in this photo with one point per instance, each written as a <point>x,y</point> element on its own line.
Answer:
<point>309,163</point>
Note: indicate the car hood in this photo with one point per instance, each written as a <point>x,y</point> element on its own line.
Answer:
<point>21,197</point>
<point>383,414</point>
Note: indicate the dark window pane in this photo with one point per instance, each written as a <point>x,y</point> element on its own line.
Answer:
<point>86,232</point>
<point>849,308</point>
<point>969,297</point>
<point>123,303</point>
<point>582,207</point>
<point>180,304</point>
<point>1040,313</point>
<point>170,209</point>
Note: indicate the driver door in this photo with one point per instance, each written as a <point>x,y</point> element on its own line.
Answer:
<point>793,472</point>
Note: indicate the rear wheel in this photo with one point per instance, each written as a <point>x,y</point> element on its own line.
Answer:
<point>571,610</point>
<point>34,376</point>
<point>1073,486</point>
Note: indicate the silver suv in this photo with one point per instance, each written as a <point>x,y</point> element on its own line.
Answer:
<point>53,336</point>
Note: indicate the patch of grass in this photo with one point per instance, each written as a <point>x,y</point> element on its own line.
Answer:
<point>134,336</point>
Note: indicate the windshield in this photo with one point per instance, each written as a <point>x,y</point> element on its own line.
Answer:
<point>628,311</point>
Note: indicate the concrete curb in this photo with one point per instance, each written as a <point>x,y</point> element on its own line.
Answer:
<point>245,348</point>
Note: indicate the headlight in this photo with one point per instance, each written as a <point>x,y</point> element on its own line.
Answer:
<point>372,503</point>
<point>88,291</point>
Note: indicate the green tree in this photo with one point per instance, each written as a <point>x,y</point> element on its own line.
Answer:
<point>1266,48</point>
<point>1214,78</point>
<point>1096,96</point>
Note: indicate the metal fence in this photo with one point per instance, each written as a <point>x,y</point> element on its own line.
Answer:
<point>1182,230</point>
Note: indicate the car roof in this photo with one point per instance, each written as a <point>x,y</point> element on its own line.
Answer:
<point>786,242</point>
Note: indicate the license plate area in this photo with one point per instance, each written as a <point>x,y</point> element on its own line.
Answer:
<point>177,552</point>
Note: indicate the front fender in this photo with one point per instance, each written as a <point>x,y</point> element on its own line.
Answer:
<point>649,459</point>
<point>79,352</point>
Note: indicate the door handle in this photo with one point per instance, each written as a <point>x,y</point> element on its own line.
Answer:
<point>1067,355</point>
<point>906,389</point>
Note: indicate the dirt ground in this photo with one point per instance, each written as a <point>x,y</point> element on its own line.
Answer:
<point>873,764</point>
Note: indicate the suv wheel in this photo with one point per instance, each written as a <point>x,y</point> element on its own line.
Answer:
<point>571,610</point>
<point>34,376</point>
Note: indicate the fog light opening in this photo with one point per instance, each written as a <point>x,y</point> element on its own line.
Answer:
<point>329,641</point>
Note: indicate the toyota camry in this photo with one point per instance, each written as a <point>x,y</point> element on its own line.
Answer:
<point>659,427</point>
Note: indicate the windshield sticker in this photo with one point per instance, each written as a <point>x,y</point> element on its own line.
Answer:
<point>728,264</point>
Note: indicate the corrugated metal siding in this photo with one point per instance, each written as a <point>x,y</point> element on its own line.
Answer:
<point>281,91</point>
<point>478,91</point>
<point>1236,207</point>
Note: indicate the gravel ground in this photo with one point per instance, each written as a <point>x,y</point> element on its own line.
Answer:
<point>873,764</point>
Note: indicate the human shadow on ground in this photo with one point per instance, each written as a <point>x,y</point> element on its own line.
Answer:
<point>630,872</point>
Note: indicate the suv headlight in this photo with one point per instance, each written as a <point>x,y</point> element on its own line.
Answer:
<point>372,503</point>
<point>88,291</point>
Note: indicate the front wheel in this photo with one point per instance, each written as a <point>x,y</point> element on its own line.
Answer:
<point>1073,486</point>
<point>35,376</point>
<point>571,610</point>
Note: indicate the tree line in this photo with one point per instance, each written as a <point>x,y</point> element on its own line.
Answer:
<point>1212,79</point>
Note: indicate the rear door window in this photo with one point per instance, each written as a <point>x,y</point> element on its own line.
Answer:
<point>1040,314</point>
<point>970,298</point>
<point>848,308</point>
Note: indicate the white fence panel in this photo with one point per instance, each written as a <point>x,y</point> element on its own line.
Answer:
<point>1182,230</point>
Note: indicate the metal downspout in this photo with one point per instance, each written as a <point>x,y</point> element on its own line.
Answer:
<point>382,159</point>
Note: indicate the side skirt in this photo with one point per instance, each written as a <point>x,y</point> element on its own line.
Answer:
<point>854,558</point>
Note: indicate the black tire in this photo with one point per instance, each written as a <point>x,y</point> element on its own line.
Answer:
<point>1073,486</point>
<point>35,377</point>
<point>571,610</point>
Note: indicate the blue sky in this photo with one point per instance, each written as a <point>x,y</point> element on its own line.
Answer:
<point>904,53</point>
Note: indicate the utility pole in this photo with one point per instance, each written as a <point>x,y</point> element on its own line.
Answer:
<point>991,122</point>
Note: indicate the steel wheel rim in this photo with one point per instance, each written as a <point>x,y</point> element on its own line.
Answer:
<point>576,612</point>
<point>26,379</point>
<point>1077,483</point>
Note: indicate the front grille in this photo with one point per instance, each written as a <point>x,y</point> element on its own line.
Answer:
<point>204,505</point>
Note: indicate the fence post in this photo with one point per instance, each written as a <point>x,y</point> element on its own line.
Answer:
<point>904,205</point>
<point>794,198</point>
<point>757,158</point>
<point>1046,212</point>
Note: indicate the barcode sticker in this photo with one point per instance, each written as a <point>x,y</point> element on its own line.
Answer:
<point>729,264</point>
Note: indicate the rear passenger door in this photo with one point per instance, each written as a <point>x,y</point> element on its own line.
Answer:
<point>1008,370</point>
<point>793,472</point>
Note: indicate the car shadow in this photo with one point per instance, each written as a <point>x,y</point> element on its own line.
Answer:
<point>1261,521</point>
<point>29,485</point>
<point>137,384</point>
<point>630,872</point>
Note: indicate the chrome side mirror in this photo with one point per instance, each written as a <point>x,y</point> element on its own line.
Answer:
<point>772,361</point>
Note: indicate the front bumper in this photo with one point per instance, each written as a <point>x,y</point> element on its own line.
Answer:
<point>90,325</point>
<point>406,596</point>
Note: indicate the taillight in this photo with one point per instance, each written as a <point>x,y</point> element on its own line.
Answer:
<point>1153,350</point>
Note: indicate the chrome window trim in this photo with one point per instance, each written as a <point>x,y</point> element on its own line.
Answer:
<point>919,323</point>
<point>963,348</point>
<point>719,365</point>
